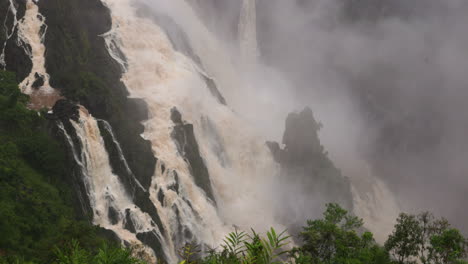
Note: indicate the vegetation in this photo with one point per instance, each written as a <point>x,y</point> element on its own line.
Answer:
<point>427,240</point>
<point>36,211</point>
<point>339,238</point>
<point>73,253</point>
<point>38,224</point>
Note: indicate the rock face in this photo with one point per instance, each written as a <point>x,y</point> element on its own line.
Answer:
<point>152,240</point>
<point>80,66</point>
<point>188,147</point>
<point>16,59</point>
<point>61,129</point>
<point>38,82</point>
<point>304,158</point>
<point>301,138</point>
<point>211,84</point>
<point>65,109</point>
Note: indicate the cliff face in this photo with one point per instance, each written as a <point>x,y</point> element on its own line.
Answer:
<point>82,69</point>
<point>83,72</point>
<point>14,56</point>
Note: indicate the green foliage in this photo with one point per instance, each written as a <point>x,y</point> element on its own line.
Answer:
<point>35,205</point>
<point>336,239</point>
<point>36,215</point>
<point>404,242</point>
<point>242,248</point>
<point>75,254</point>
<point>448,247</point>
<point>427,240</point>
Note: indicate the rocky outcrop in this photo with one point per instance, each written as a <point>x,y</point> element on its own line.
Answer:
<point>211,84</point>
<point>304,158</point>
<point>65,110</point>
<point>153,241</point>
<point>38,82</point>
<point>188,148</point>
<point>129,225</point>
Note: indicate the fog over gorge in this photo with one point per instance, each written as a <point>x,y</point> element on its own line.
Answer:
<point>401,67</point>
<point>393,72</point>
<point>166,124</point>
<point>388,80</point>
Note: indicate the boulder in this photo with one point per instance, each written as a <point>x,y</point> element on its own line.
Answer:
<point>65,110</point>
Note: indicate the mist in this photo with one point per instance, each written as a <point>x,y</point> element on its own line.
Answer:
<point>387,79</point>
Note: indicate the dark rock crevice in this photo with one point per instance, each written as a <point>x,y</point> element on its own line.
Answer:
<point>16,59</point>
<point>153,241</point>
<point>187,145</point>
<point>63,112</point>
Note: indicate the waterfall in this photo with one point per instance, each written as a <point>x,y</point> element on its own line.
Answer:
<point>239,163</point>
<point>377,206</point>
<point>122,158</point>
<point>113,208</point>
<point>248,31</point>
<point>31,30</point>
<point>242,171</point>
<point>8,32</point>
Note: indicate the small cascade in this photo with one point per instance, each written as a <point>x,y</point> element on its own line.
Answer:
<point>248,31</point>
<point>82,169</point>
<point>8,32</point>
<point>31,30</point>
<point>112,45</point>
<point>122,158</point>
<point>113,208</point>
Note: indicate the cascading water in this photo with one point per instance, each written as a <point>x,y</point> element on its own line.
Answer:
<point>166,79</point>
<point>240,166</point>
<point>377,206</point>
<point>248,31</point>
<point>122,158</point>
<point>31,30</point>
<point>9,32</point>
<point>113,208</point>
